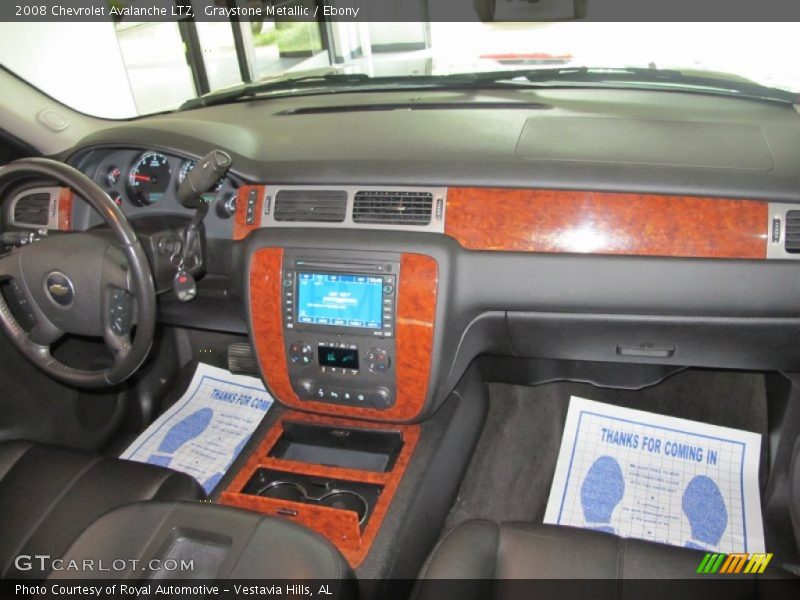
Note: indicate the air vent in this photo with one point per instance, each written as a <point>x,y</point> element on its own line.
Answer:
<point>311,206</point>
<point>393,208</point>
<point>33,209</point>
<point>792,240</point>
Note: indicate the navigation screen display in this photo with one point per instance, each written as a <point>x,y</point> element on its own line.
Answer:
<point>340,299</point>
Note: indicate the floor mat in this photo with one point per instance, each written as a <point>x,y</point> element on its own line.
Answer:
<point>657,478</point>
<point>204,432</point>
<point>512,469</point>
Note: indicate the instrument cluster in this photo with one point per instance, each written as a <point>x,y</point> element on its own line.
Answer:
<point>151,178</point>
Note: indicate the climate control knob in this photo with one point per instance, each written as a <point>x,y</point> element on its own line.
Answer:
<point>301,353</point>
<point>378,360</point>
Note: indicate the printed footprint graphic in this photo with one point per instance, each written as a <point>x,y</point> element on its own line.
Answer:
<point>601,491</point>
<point>705,509</point>
<point>180,433</point>
<point>210,483</point>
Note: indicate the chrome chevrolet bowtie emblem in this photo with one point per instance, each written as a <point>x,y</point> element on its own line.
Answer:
<point>60,288</point>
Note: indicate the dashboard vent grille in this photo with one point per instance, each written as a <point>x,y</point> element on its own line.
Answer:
<point>311,206</point>
<point>393,208</point>
<point>495,105</point>
<point>32,209</point>
<point>792,240</point>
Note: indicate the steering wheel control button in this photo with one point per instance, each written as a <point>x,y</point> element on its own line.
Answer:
<point>59,289</point>
<point>120,312</point>
<point>301,353</point>
<point>378,360</point>
<point>184,286</point>
<point>23,306</point>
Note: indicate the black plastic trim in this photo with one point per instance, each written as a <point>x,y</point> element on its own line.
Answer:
<point>719,313</point>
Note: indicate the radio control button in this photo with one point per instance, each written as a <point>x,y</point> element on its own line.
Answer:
<point>380,398</point>
<point>304,389</point>
<point>301,353</point>
<point>378,360</point>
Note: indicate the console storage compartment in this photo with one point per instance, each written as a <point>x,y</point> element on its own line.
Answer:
<point>350,448</point>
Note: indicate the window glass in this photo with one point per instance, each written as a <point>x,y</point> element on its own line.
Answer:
<point>129,69</point>
<point>219,54</point>
<point>155,63</point>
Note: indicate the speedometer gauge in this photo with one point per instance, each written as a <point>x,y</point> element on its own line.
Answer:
<point>149,178</point>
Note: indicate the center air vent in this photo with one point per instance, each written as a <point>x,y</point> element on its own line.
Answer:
<point>317,206</point>
<point>393,208</point>
<point>792,240</point>
<point>33,209</point>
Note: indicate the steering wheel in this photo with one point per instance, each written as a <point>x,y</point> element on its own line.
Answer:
<point>80,283</point>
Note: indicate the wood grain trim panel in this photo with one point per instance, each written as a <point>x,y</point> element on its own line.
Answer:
<point>340,527</point>
<point>415,316</point>
<point>606,223</point>
<point>415,320</point>
<point>65,201</point>
<point>241,229</point>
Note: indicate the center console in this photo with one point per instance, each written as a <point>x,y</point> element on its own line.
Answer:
<point>335,476</point>
<point>345,338</point>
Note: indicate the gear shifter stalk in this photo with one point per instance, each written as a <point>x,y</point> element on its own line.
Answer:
<point>205,174</point>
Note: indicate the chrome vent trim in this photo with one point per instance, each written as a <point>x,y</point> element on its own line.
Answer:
<point>35,208</point>
<point>311,206</point>
<point>401,208</point>
<point>783,231</point>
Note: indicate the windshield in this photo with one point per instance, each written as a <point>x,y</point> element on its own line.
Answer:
<point>146,68</point>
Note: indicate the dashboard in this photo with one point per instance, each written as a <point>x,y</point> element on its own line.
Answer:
<point>372,255</point>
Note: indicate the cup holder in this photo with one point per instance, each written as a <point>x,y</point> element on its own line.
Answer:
<point>352,496</point>
<point>283,490</point>
<point>335,498</point>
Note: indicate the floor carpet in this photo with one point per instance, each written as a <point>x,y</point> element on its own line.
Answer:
<point>511,471</point>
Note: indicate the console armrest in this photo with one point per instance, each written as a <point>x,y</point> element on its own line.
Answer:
<point>210,541</point>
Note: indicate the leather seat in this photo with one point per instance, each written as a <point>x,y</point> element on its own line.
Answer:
<point>489,551</point>
<point>49,495</point>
